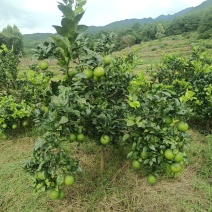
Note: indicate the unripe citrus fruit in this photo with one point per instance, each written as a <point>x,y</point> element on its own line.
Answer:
<point>99,72</point>
<point>4,136</point>
<point>88,73</point>
<point>43,65</point>
<point>178,157</point>
<point>80,137</point>
<point>105,139</point>
<point>14,126</point>
<point>169,154</point>
<point>69,180</point>
<point>168,119</point>
<point>72,73</point>
<point>61,194</point>
<point>182,126</point>
<point>72,137</point>
<point>4,126</point>
<point>42,175</point>
<point>107,60</point>
<point>53,194</point>
<point>136,164</point>
<point>97,79</point>
<point>176,167</point>
<point>25,123</point>
<point>151,179</point>
<point>144,155</point>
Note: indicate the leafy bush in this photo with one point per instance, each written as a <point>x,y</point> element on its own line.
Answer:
<point>150,133</point>
<point>8,70</point>
<point>191,78</point>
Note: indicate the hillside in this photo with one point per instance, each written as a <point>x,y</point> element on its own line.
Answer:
<point>129,22</point>
<point>32,40</point>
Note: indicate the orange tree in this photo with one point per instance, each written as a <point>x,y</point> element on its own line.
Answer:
<point>90,102</point>
<point>93,102</point>
<point>154,131</point>
<point>192,79</point>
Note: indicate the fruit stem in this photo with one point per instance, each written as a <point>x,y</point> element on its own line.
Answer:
<point>102,160</point>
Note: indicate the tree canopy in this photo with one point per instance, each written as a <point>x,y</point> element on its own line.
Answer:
<point>12,38</point>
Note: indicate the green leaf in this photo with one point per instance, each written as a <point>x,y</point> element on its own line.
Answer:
<point>60,180</point>
<point>63,120</point>
<point>125,137</point>
<point>141,124</point>
<point>130,154</point>
<point>66,10</point>
<point>60,30</point>
<point>137,119</point>
<point>88,111</point>
<point>152,147</point>
<point>39,143</point>
<point>78,17</point>
<point>68,25</point>
<point>130,122</point>
<point>80,76</point>
<point>135,104</point>
<point>81,3</point>
<point>60,42</point>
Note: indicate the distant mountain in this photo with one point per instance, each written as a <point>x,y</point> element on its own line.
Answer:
<point>31,40</point>
<point>129,22</point>
<point>36,36</point>
<point>171,17</point>
<point>119,24</point>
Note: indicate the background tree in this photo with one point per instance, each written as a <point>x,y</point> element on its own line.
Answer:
<point>205,25</point>
<point>128,40</point>
<point>12,38</point>
<point>160,31</point>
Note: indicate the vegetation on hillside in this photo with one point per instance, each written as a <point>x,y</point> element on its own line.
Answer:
<point>134,31</point>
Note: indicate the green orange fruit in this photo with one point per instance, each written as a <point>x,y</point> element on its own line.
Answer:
<point>182,126</point>
<point>43,65</point>
<point>178,157</point>
<point>107,60</point>
<point>99,72</point>
<point>53,194</point>
<point>136,164</point>
<point>169,155</point>
<point>151,179</point>
<point>69,180</point>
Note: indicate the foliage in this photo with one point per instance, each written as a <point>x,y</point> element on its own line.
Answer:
<point>35,87</point>
<point>12,112</point>
<point>54,162</point>
<point>205,25</point>
<point>149,134</point>
<point>45,50</point>
<point>49,154</point>
<point>105,44</point>
<point>96,99</point>
<point>160,31</point>
<point>192,79</point>
<point>8,69</point>
<point>128,40</point>
<point>12,38</point>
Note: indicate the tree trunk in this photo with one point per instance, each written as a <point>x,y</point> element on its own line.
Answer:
<point>102,160</point>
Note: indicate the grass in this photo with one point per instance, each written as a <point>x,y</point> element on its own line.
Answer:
<point>119,189</point>
<point>152,52</point>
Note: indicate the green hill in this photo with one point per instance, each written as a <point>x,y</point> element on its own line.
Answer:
<point>191,14</point>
